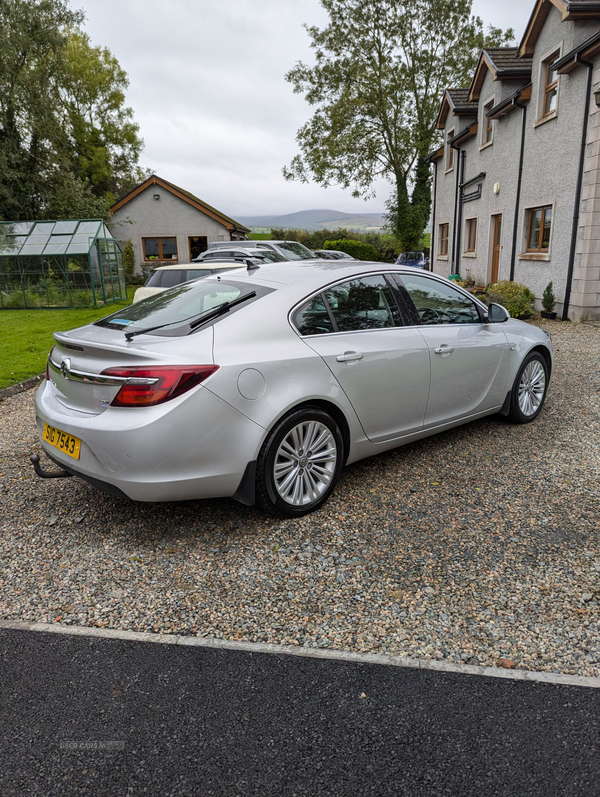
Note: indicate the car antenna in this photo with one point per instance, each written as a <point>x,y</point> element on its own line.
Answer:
<point>251,265</point>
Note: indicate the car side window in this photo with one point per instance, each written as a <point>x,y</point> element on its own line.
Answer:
<point>153,280</point>
<point>313,317</point>
<point>170,279</point>
<point>438,303</point>
<point>194,274</point>
<point>363,303</point>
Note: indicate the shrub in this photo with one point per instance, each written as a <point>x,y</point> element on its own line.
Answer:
<point>357,249</point>
<point>82,299</point>
<point>128,262</point>
<point>517,298</point>
<point>548,298</point>
<point>13,300</point>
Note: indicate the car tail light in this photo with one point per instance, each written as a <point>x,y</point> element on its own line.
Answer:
<point>48,364</point>
<point>146,387</point>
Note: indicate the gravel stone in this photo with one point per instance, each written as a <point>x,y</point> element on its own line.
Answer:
<point>479,545</point>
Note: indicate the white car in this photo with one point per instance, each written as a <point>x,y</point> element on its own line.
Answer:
<point>262,383</point>
<point>165,277</point>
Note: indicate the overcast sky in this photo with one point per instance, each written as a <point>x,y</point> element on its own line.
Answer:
<point>208,92</point>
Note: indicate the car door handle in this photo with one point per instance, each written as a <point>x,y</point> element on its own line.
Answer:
<point>444,349</point>
<point>349,357</point>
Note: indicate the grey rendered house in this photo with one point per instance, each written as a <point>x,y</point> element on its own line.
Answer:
<point>516,187</point>
<point>166,224</point>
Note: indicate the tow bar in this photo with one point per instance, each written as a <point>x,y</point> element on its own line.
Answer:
<point>46,474</point>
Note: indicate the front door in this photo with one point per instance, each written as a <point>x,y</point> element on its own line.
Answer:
<point>496,247</point>
<point>197,244</point>
<point>469,359</point>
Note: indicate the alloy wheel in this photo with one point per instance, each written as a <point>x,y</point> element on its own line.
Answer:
<point>305,463</point>
<point>532,387</point>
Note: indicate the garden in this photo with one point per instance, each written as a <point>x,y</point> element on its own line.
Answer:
<point>27,337</point>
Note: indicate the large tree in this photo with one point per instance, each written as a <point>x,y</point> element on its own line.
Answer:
<point>380,71</point>
<point>68,144</point>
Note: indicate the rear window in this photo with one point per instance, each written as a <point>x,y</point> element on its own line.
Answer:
<point>180,305</point>
<point>405,257</point>
<point>272,256</point>
<point>171,278</point>
<point>194,274</point>
<point>154,279</point>
<point>295,251</point>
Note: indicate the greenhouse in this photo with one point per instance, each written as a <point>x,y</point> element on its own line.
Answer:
<point>45,264</point>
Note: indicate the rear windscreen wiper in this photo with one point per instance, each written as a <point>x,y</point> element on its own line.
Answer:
<point>214,313</point>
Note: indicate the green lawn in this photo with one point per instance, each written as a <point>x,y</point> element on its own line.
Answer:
<point>26,337</point>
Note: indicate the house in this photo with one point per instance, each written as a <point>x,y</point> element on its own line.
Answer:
<point>516,186</point>
<point>166,224</point>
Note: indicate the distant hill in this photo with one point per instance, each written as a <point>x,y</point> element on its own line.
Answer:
<point>315,220</point>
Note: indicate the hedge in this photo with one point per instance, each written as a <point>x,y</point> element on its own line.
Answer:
<point>357,249</point>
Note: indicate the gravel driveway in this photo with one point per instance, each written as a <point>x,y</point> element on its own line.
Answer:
<point>475,545</point>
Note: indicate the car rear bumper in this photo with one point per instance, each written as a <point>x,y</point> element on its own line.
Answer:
<point>143,454</point>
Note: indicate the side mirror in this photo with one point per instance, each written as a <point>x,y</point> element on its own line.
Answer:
<point>496,314</point>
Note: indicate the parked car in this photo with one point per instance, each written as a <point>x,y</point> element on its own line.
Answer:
<point>240,253</point>
<point>165,277</point>
<point>262,384</point>
<point>414,259</point>
<point>291,250</point>
<point>332,254</point>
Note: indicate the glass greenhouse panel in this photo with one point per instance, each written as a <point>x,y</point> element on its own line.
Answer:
<point>65,227</point>
<point>73,263</point>
<point>43,228</point>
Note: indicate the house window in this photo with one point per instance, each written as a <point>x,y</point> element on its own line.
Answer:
<point>488,124</point>
<point>538,229</point>
<point>551,85</point>
<point>443,240</point>
<point>471,236</point>
<point>450,151</point>
<point>160,248</point>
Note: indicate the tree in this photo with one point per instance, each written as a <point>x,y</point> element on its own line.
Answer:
<point>379,75</point>
<point>68,144</point>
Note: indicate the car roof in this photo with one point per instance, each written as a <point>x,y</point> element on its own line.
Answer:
<point>296,280</point>
<point>317,273</point>
<point>199,266</point>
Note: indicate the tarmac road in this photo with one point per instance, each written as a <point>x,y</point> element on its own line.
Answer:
<point>95,716</point>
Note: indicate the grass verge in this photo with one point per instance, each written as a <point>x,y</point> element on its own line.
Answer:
<point>26,337</point>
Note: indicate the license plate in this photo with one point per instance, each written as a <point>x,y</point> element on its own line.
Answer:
<point>64,442</point>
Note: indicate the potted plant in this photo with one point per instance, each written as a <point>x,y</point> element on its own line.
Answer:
<point>469,281</point>
<point>548,302</point>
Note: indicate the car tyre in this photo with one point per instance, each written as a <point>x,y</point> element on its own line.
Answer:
<point>529,389</point>
<point>300,463</point>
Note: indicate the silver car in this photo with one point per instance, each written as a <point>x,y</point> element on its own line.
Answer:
<point>289,250</point>
<point>262,383</point>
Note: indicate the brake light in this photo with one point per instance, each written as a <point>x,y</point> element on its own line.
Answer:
<point>48,364</point>
<point>146,387</point>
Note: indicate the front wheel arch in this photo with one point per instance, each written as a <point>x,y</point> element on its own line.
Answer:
<point>546,355</point>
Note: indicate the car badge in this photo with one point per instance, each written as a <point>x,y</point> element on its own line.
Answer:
<point>65,367</point>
